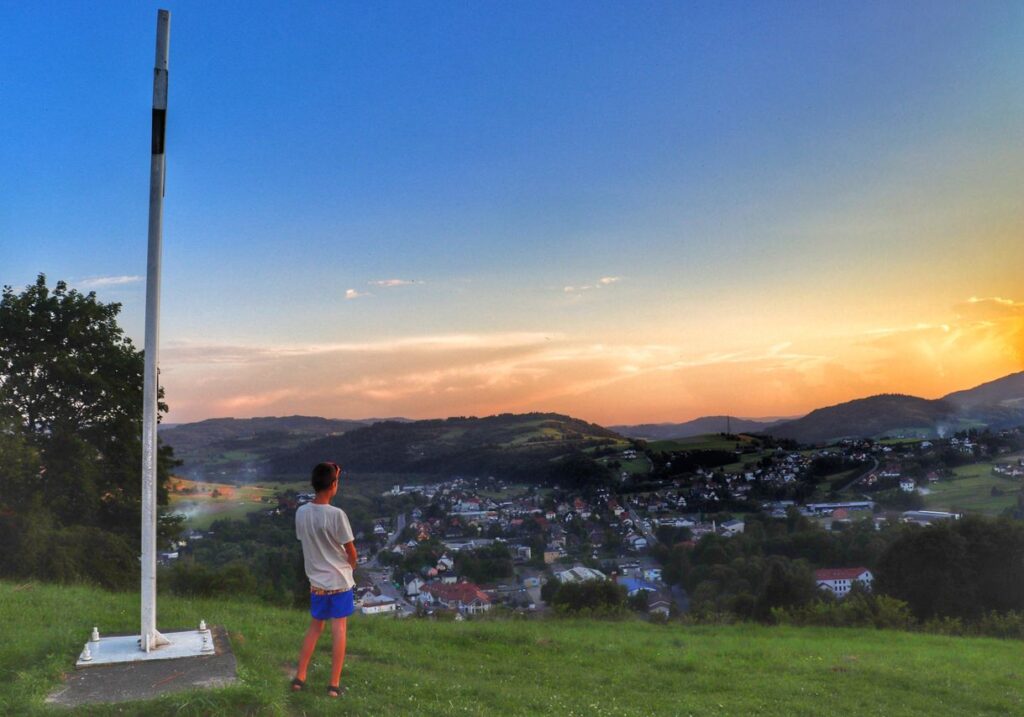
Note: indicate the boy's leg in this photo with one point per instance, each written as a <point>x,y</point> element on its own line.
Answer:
<point>339,629</point>
<point>308,645</point>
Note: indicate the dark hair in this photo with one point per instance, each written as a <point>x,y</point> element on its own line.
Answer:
<point>324,475</point>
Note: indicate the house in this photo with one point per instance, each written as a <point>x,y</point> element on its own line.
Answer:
<point>732,527</point>
<point>635,585</point>
<point>377,604</point>
<point>652,574</point>
<point>413,585</point>
<point>463,597</point>
<point>579,574</point>
<point>907,485</point>
<point>659,603</point>
<point>637,542</point>
<point>840,580</point>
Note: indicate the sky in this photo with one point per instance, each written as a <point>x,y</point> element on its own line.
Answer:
<point>628,212</point>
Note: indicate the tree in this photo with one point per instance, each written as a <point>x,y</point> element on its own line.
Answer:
<point>961,568</point>
<point>788,584</point>
<point>71,386</point>
<point>74,381</point>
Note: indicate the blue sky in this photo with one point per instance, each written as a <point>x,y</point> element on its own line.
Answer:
<point>744,175</point>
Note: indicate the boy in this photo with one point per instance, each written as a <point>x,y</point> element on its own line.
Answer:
<point>330,557</point>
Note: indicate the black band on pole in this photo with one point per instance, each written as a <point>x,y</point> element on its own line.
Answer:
<point>159,125</point>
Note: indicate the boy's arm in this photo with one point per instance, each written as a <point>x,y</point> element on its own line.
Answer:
<point>353,557</point>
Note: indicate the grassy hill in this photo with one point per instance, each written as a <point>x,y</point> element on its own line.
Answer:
<point>237,448</point>
<point>872,416</point>
<point>568,667</point>
<point>514,446</point>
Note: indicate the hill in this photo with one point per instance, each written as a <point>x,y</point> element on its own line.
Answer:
<point>996,404</point>
<point>556,667</point>
<point>238,447</point>
<point>1007,391</point>
<point>515,446</point>
<point>872,416</point>
<point>696,427</point>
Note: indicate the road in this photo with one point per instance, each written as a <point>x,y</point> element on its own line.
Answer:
<point>861,476</point>
<point>639,524</point>
<point>381,576</point>
<point>372,563</point>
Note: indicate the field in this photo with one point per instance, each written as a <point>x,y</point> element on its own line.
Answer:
<point>706,442</point>
<point>202,503</point>
<point>972,491</point>
<point>494,667</point>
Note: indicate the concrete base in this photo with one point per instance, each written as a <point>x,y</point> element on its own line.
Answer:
<point>145,679</point>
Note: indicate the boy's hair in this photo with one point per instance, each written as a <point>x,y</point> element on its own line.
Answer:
<point>324,475</point>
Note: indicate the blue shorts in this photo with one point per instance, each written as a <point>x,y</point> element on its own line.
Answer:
<point>331,607</point>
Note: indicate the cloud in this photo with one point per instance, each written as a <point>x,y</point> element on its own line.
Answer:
<point>353,294</point>
<point>391,283</point>
<point>608,380</point>
<point>601,283</point>
<point>456,374</point>
<point>100,281</point>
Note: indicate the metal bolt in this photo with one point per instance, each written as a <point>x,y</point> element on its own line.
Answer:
<point>95,637</point>
<point>86,655</point>
<point>202,625</point>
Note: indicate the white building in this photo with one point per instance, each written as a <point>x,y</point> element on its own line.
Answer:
<point>579,574</point>
<point>927,517</point>
<point>732,527</point>
<point>376,604</point>
<point>840,580</point>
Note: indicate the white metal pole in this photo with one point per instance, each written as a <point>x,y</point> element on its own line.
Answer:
<point>150,638</point>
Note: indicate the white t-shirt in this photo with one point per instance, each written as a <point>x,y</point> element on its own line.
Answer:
<point>324,531</point>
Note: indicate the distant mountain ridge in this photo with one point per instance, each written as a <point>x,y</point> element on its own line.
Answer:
<point>1005,391</point>
<point>517,444</point>
<point>243,445</point>
<point>202,433</point>
<point>696,427</point>
<point>995,404</point>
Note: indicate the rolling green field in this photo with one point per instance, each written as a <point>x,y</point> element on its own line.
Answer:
<point>972,491</point>
<point>499,667</point>
<point>233,502</point>
<point>706,442</point>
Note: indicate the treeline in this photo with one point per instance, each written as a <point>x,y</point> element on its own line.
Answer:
<point>259,557</point>
<point>70,439</point>
<point>965,570</point>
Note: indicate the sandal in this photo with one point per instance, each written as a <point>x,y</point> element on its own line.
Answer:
<point>298,684</point>
<point>335,691</point>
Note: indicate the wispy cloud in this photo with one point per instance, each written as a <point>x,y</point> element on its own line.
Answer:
<point>100,281</point>
<point>391,283</point>
<point>607,381</point>
<point>353,294</point>
<point>601,283</point>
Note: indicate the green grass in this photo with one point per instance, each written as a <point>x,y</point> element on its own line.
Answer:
<point>560,668</point>
<point>706,442</point>
<point>971,490</point>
